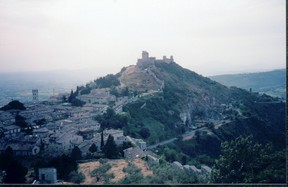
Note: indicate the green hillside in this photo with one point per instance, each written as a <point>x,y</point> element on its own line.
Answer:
<point>167,100</point>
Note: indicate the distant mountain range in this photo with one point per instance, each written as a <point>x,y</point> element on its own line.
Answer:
<point>271,82</point>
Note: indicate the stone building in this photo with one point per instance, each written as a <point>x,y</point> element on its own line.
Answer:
<point>47,175</point>
<point>146,61</point>
<point>35,95</point>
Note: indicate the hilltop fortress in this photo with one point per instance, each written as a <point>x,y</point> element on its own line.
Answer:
<point>147,61</point>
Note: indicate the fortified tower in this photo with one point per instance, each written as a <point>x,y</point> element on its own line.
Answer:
<point>147,61</point>
<point>145,56</point>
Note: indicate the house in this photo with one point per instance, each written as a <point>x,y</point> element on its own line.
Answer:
<point>21,149</point>
<point>41,132</point>
<point>11,130</point>
<point>120,140</point>
<point>133,152</point>
<point>140,143</point>
<point>86,133</point>
<point>63,141</point>
<point>113,132</point>
<point>153,160</point>
<point>47,175</point>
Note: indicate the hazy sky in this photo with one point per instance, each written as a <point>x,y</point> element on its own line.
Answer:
<point>207,36</point>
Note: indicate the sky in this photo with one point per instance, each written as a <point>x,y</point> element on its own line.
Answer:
<point>209,37</point>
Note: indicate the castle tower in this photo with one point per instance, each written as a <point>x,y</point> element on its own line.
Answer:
<point>35,95</point>
<point>145,56</point>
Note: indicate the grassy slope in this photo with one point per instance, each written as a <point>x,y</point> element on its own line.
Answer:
<point>184,87</point>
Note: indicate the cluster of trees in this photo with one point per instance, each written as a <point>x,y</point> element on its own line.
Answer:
<point>157,121</point>
<point>242,161</point>
<point>73,100</point>
<point>112,120</point>
<point>101,172</point>
<point>85,90</point>
<point>15,172</point>
<point>13,105</point>
<point>20,121</point>
<point>119,92</point>
<point>111,150</point>
<point>164,173</point>
<point>66,165</point>
<point>172,152</point>
<point>107,81</point>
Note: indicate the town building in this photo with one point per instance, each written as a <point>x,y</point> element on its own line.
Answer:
<point>47,175</point>
<point>133,153</point>
<point>35,95</point>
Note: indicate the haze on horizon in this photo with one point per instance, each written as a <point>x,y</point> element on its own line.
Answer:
<point>206,36</point>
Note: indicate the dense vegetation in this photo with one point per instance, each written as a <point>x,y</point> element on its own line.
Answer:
<point>112,120</point>
<point>73,100</point>
<point>66,166</point>
<point>242,161</point>
<point>152,119</point>
<point>14,170</point>
<point>14,105</point>
<point>107,81</point>
<point>162,174</point>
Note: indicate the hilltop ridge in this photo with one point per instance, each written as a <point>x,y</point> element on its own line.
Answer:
<point>166,100</point>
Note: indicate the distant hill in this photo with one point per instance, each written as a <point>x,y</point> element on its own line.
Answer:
<point>272,82</point>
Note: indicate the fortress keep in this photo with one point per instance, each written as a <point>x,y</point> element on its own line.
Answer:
<point>146,60</point>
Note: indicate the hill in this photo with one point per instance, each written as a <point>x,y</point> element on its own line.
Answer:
<point>272,82</point>
<point>166,100</point>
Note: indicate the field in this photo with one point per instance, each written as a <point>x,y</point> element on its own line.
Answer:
<point>116,170</point>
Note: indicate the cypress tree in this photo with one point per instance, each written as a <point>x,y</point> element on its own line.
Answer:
<point>110,148</point>
<point>102,140</point>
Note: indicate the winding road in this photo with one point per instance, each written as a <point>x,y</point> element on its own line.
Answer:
<point>186,134</point>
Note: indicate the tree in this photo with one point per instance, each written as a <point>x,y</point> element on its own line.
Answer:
<point>9,150</point>
<point>71,97</point>
<point>241,161</point>
<point>110,149</point>
<point>93,148</point>
<point>125,91</point>
<point>184,160</point>
<point>144,132</point>
<point>20,121</point>
<point>64,99</point>
<point>107,81</point>
<point>102,140</point>
<point>76,153</point>
<point>15,171</point>
<point>64,165</point>
<point>14,105</point>
<point>76,177</point>
<point>73,100</point>
<point>197,135</point>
